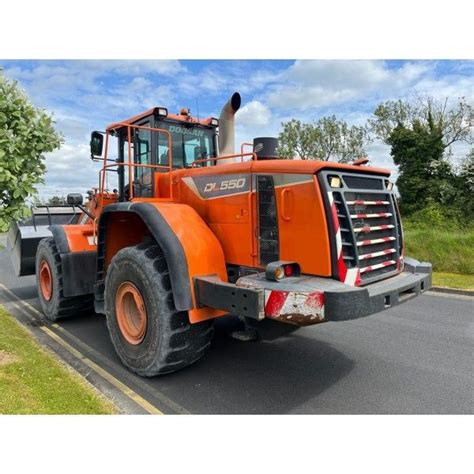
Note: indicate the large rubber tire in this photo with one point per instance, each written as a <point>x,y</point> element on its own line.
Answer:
<point>58,306</point>
<point>170,342</point>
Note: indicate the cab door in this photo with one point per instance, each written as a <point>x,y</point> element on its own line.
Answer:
<point>143,157</point>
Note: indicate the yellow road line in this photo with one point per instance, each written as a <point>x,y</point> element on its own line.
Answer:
<point>139,400</point>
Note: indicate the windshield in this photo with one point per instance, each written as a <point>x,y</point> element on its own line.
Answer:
<point>190,142</point>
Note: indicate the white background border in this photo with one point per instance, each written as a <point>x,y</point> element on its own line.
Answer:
<point>229,30</point>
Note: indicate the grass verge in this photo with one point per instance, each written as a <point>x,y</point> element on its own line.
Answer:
<point>453,280</point>
<point>32,381</point>
<point>449,251</point>
<point>3,239</point>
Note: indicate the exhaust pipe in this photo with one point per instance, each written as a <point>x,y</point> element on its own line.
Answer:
<point>227,128</point>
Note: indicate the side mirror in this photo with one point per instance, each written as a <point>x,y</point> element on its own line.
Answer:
<point>74,199</point>
<point>97,144</point>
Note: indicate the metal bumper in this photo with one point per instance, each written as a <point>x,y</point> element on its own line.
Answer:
<point>308,300</point>
<point>359,302</point>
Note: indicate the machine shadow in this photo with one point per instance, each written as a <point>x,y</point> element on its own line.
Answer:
<point>274,375</point>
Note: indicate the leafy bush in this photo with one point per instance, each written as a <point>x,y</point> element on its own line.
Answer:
<point>26,132</point>
<point>434,215</point>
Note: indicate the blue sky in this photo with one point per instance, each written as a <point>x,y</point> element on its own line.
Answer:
<point>87,95</point>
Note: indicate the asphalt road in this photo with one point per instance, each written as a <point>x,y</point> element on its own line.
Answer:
<point>414,358</point>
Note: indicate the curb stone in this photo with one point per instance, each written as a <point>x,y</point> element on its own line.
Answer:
<point>454,291</point>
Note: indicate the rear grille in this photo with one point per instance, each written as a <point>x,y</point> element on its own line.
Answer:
<point>370,233</point>
<point>375,232</point>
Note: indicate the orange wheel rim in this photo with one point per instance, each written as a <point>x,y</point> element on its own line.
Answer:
<point>131,313</point>
<point>46,280</point>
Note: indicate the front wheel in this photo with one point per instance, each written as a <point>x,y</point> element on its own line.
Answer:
<point>49,280</point>
<point>149,335</point>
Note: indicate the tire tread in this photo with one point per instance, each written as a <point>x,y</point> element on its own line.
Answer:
<point>181,342</point>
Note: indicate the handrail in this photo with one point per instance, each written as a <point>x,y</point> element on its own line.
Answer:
<point>225,157</point>
<point>137,165</point>
<point>245,144</point>
<point>131,165</point>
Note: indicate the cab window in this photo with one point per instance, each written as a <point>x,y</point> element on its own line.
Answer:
<point>190,143</point>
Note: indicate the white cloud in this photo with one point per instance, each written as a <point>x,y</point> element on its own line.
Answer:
<point>314,84</point>
<point>253,114</point>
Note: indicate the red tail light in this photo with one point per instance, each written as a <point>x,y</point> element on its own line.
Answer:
<point>277,270</point>
<point>289,270</point>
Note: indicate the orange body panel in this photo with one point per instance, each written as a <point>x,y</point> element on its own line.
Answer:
<point>229,217</point>
<point>203,251</point>
<point>303,228</point>
<point>80,237</point>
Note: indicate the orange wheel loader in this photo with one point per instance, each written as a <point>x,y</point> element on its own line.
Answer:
<point>195,231</point>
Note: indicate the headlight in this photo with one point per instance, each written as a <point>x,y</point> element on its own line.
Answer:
<point>335,182</point>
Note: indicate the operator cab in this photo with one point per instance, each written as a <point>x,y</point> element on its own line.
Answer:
<point>192,142</point>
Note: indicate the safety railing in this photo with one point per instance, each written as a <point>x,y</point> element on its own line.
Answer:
<point>130,163</point>
<point>244,145</point>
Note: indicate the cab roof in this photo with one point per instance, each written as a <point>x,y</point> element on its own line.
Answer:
<point>184,118</point>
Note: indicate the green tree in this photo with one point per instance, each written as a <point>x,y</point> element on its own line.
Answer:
<point>328,139</point>
<point>57,201</point>
<point>420,136</point>
<point>26,133</point>
<point>465,187</point>
<point>453,123</point>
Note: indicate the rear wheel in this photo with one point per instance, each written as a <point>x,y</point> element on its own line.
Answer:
<point>150,336</point>
<point>49,280</point>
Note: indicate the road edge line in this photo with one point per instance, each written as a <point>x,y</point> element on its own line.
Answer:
<point>123,388</point>
<point>176,407</point>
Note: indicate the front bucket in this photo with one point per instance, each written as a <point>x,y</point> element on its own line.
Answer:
<point>24,236</point>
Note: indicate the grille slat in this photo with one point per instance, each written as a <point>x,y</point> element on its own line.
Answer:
<point>361,202</point>
<point>375,241</point>
<point>371,216</point>
<point>374,228</point>
<point>376,254</point>
<point>372,268</point>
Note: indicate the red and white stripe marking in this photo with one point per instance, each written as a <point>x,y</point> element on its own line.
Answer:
<point>371,216</point>
<point>374,241</point>
<point>373,228</point>
<point>287,304</point>
<point>350,276</point>
<point>379,265</point>
<point>376,254</point>
<point>360,202</point>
